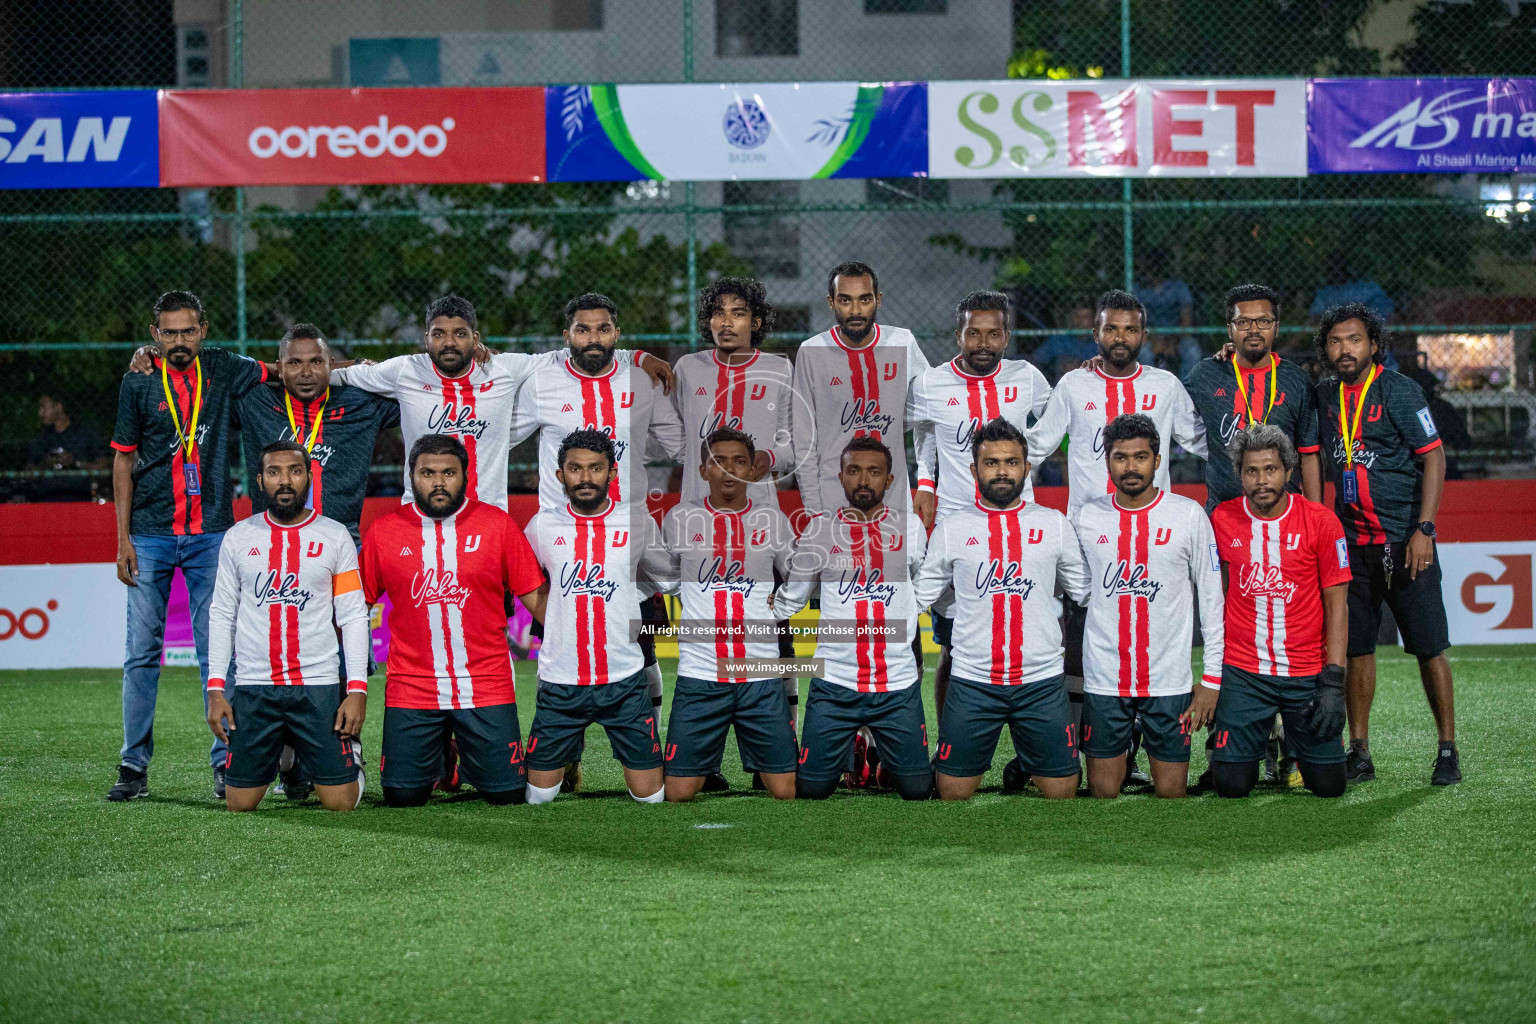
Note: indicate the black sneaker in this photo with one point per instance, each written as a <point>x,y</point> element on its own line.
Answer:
<point>1203,784</point>
<point>1135,778</point>
<point>1358,766</point>
<point>218,783</point>
<point>131,784</point>
<point>1447,768</point>
<point>295,786</point>
<point>714,782</point>
<point>1015,778</point>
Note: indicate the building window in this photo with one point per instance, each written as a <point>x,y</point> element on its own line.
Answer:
<point>906,190</point>
<point>757,28</point>
<point>769,242</point>
<point>906,6</point>
<point>194,57</point>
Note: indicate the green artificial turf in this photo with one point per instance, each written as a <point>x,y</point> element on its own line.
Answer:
<point>1398,902</point>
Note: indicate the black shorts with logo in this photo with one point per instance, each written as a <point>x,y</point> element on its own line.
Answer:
<point>303,717</point>
<point>1038,717</point>
<point>562,713</point>
<point>489,739</point>
<point>1107,721</point>
<point>833,715</point>
<point>703,711</point>
<point>1246,709</point>
<point>1416,603</point>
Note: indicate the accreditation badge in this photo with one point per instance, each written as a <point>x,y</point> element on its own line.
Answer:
<point>1350,482</point>
<point>192,478</point>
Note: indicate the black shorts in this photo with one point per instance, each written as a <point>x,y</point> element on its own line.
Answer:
<point>703,711</point>
<point>1416,604</point>
<point>1245,713</point>
<point>1072,639</point>
<point>490,747</point>
<point>1038,718</point>
<point>303,717</point>
<point>943,628</point>
<point>833,715</point>
<point>561,714</point>
<point>1107,725</point>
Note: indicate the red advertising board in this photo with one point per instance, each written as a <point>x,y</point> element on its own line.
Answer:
<point>350,136</point>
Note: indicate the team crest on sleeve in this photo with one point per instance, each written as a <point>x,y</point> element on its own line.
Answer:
<point>1215,559</point>
<point>1427,422</point>
<point>1342,551</point>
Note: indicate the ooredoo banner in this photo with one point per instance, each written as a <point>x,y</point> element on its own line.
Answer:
<point>1187,128</point>
<point>62,616</point>
<point>351,136</point>
<point>736,131</point>
<point>1395,125</point>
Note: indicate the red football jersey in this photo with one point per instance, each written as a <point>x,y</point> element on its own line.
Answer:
<point>447,625</point>
<point>1276,571</point>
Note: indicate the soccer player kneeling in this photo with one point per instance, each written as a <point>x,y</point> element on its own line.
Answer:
<point>598,552</point>
<point>725,549</point>
<point>447,563</point>
<point>863,557</point>
<point>1006,560</point>
<point>1287,574</point>
<point>287,580</point>
<point>1150,554</point>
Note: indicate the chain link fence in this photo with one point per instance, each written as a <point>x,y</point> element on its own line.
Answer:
<point>1450,256</point>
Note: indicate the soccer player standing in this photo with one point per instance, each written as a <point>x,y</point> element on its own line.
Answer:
<point>1387,467</point>
<point>171,488</point>
<point>1151,555</point>
<point>287,581</point>
<point>1286,569</point>
<point>1005,558</point>
<point>863,558</point>
<point>598,554</point>
<point>726,550</point>
<point>447,563</point>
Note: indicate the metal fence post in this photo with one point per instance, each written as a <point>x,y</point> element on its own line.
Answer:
<point>1127,229</point>
<point>237,81</point>
<point>690,196</point>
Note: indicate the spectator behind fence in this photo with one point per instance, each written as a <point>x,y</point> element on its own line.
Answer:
<point>1170,305</point>
<point>1342,285</point>
<point>1067,349</point>
<point>63,444</point>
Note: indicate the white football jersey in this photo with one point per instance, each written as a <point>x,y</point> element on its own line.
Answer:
<point>753,397</point>
<point>842,393</point>
<point>621,402</point>
<point>280,593</point>
<point>1007,567</point>
<point>476,407</point>
<point>724,563</point>
<point>949,405</point>
<point>596,566</point>
<point>1083,404</point>
<point>865,572</point>
<point>1147,568</point>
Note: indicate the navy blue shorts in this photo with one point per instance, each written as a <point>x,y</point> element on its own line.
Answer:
<point>490,747</point>
<point>703,711</point>
<point>1107,723</point>
<point>1245,713</point>
<point>833,715</point>
<point>562,713</point>
<point>303,717</point>
<point>1038,717</point>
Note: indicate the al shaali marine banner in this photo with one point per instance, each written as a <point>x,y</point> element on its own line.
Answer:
<point>1418,125</point>
<point>735,131</point>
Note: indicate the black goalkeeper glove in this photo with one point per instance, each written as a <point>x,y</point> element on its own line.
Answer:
<point>1327,719</point>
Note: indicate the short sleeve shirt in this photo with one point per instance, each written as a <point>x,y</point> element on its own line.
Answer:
<point>1225,407</point>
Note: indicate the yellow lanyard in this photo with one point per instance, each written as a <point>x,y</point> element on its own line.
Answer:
<point>1274,367</point>
<point>188,438</point>
<point>1350,433</point>
<point>314,431</point>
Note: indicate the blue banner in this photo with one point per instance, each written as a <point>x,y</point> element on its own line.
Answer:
<point>106,139</point>
<point>1397,125</point>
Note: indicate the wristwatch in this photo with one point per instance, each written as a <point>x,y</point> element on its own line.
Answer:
<point>1427,528</point>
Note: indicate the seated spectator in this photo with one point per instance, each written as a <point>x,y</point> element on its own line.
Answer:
<point>63,444</point>
<point>1067,349</point>
<point>1341,285</point>
<point>1170,305</point>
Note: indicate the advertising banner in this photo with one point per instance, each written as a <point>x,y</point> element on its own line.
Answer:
<point>105,139</point>
<point>1393,125</point>
<point>62,616</point>
<point>351,136</point>
<point>1488,589</point>
<point>730,132</point>
<point>1189,128</point>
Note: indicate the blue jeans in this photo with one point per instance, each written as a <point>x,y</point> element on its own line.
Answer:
<point>198,558</point>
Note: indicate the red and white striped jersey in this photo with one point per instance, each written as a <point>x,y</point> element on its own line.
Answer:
<point>1083,404</point>
<point>281,592</point>
<point>724,563</point>
<point>1007,567</point>
<point>754,397</point>
<point>621,402</point>
<point>1276,571</point>
<point>447,622</point>
<point>598,566</point>
<point>1146,568</point>
<point>842,393</point>
<point>476,407</point>
<point>949,405</point>
<point>866,572</point>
